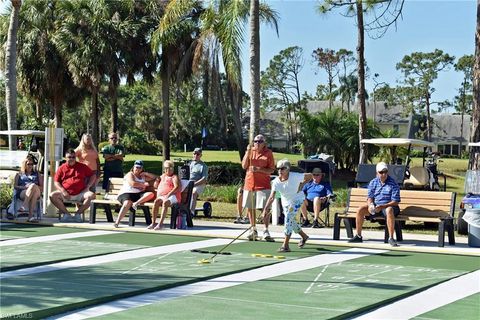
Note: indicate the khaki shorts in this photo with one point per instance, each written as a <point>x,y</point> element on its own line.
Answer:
<point>261,197</point>
<point>199,189</point>
<point>76,198</point>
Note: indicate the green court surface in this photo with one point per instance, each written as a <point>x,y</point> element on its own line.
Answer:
<point>467,308</point>
<point>14,231</point>
<point>121,265</point>
<point>334,291</point>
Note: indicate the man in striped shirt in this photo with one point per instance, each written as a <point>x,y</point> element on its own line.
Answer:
<point>383,199</point>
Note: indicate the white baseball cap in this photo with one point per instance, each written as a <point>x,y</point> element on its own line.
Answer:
<point>381,166</point>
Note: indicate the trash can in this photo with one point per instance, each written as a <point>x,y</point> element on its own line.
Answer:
<point>472,217</point>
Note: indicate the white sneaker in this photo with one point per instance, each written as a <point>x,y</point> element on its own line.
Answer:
<point>253,235</point>
<point>267,237</point>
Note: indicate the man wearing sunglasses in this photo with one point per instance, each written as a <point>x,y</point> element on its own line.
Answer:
<point>114,153</point>
<point>259,164</point>
<point>72,182</point>
<point>316,193</point>
<point>383,199</point>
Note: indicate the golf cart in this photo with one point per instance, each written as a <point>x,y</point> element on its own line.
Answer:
<point>32,143</point>
<point>420,178</point>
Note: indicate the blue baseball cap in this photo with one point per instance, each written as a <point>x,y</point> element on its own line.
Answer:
<point>138,163</point>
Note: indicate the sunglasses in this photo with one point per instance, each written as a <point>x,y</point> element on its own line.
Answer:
<point>316,174</point>
<point>167,167</point>
<point>196,153</point>
<point>258,141</point>
<point>282,168</point>
<point>70,157</point>
<point>383,172</point>
<point>29,164</point>
<point>113,138</point>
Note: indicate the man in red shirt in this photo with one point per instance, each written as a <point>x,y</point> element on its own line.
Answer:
<point>259,164</point>
<point>72,182</point>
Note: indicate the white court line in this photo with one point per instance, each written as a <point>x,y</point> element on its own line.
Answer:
<point>430,299</point>
<point>266,272</point>
<point>56,237</point>
<point>119,256</point>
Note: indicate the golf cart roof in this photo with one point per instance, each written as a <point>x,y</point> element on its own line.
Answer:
<point>474,144</point>
<point>402,142</point>
<point>36,133</point>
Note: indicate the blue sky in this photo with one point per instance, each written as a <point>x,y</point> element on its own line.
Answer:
<point>448,25</point>
<point>424,26</point>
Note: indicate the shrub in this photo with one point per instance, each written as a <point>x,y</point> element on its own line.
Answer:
<point>6,195</point>
<point>226,193</point>
<point>225,173</point>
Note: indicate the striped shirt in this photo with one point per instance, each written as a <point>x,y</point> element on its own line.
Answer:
<point>383,193</point>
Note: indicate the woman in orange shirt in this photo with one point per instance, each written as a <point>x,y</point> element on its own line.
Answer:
<point>87,154</point>
<point>168,193</point>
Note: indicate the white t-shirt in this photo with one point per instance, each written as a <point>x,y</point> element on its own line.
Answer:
<point>289,189</point>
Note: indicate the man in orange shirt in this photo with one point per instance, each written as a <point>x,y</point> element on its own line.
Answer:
<point>259,164</point>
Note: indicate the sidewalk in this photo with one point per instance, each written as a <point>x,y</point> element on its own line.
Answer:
<point>372,239</point>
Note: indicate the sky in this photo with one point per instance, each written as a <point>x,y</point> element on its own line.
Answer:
<point>424,26</point>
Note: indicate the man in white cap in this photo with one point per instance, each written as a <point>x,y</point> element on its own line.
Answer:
<point>199,174</point>
<point>383,199</point>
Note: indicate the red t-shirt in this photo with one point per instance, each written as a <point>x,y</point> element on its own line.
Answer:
<point>259,180</point>
<point>73,178</point>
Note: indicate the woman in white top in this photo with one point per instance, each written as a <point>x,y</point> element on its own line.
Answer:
<point>289,186</point>
<point>133,194</point>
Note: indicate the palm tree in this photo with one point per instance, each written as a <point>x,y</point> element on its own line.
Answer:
<point>254,68</point>
<point>348,89</point>
<point>10,71</point>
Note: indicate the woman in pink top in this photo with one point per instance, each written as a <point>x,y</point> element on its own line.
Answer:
<point>168,193</point>
<point>87,154</point>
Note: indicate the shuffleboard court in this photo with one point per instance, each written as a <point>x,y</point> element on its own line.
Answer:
<point>340,289</point>
<point>466,308</point>
<point>15,231</point>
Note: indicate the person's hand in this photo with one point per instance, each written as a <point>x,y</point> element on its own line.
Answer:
<point>254,169</point>
<point>378,208</point>
<point>371,208</point>
<point>65,194</point>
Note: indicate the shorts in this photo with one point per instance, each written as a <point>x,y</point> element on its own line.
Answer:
<point>261,197</point>
<point>323,205</point>
<point>383,213</point>
<point>173,199</point>
<point>76,198</point>
<point>199,189</point>
<point>134,197</point>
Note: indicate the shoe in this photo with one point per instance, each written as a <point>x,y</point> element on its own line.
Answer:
<point>317,225</point>
<point>10,216</point>
<point>302,242</point>
<point>135,206</point>
<point>356,239</point>
<point>78,218</point>
<point>66,218</point>
<point>238,220</point>
<point>32,219</point>
<point>267,237</point>
<point>306,224</point>
<point>284,249</point>
<point>245,220</point>
<point>392,242</point>
<point>151,226</point>
<point>253,235</point>
<point>158,227</point>
<point>115,225</point>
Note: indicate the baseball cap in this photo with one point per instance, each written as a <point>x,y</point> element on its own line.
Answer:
<point>381,166</point>
<point>197,150</point>
<point>138,163</point>
<point>317,171</point>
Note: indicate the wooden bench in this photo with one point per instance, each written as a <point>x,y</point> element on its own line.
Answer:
<point>110,199</point>
<point>417,206</point>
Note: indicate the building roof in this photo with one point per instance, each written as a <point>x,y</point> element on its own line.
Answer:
<point>447,128</point>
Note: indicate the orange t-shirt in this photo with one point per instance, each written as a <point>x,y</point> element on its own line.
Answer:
<point>259,180</point>
<point>88,157</point>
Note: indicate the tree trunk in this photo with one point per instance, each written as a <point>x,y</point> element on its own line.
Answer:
<point>474,161</point>
<point>235,93</point>
<point>362,117</point>
<point>38,112</point>
<point>95,117</point>
<point>166,113</point>
<point>254,69</point>
<point>112,92</point>
<point>11,72</point>
<point>57,110</point>
<point>429,120</point>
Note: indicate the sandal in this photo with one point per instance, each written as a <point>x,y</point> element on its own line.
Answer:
<point>151,226</point>
<point>115,225</point>
<point>284,249</point>
<point>302,242</point>
<point>158,227</point>
<point>32,219</point>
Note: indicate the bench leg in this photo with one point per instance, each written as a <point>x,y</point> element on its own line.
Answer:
<point>385,234</point>
<point>336,228</point>
<point>173,217</point>
<point>189,218</point>
<point>131,217</point>
<point>93,212</point>
<point>148,217</point>
<point>450,232</point>
<point>108,212</point>
<point>348,227</point>
<point>398,230</point>
<point>441,234</point>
